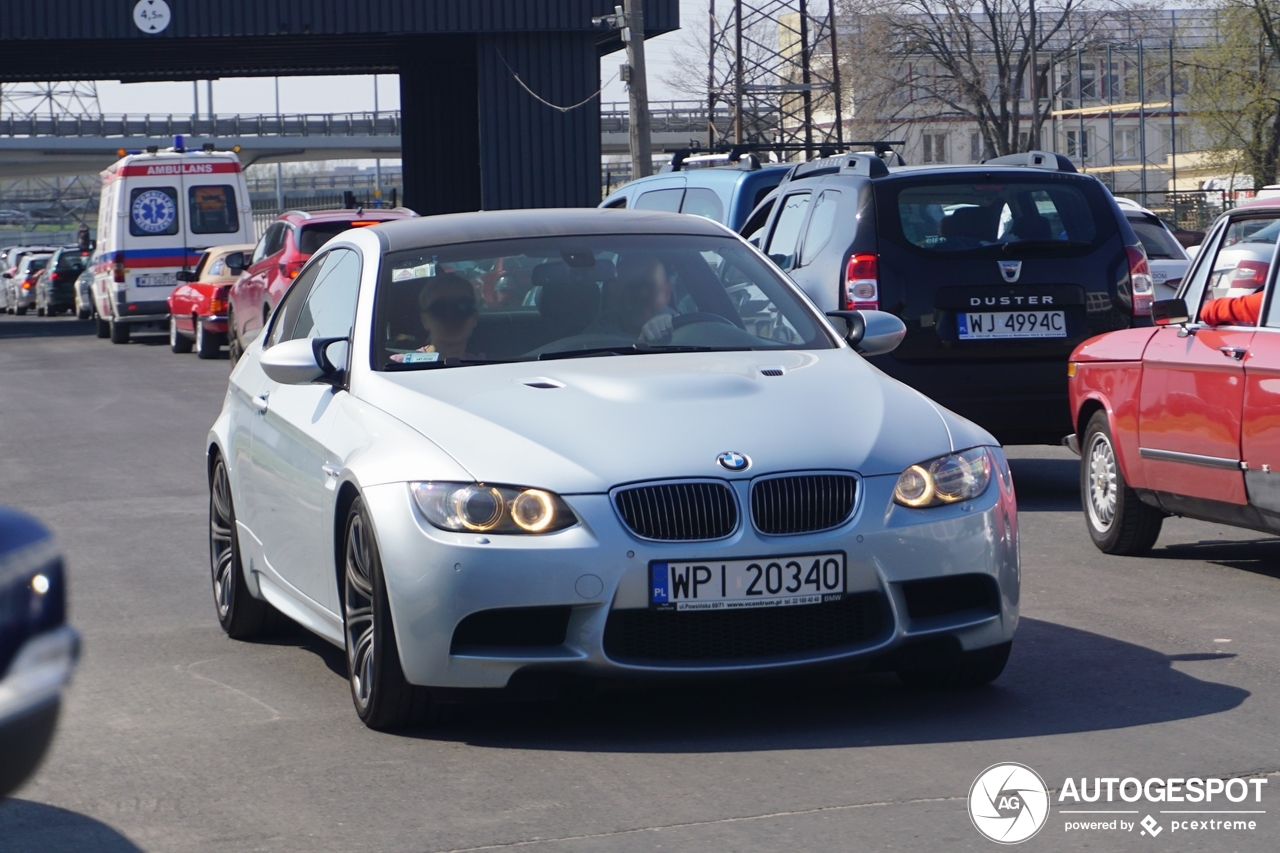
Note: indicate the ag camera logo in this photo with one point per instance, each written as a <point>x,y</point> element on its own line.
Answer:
<point>1008,803</point>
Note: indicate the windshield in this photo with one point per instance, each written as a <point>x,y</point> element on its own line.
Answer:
<point>996,216</point>
<point>598,295</point>
<point>1156,239</point>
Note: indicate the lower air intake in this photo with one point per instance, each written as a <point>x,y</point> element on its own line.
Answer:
<point>706,637</point>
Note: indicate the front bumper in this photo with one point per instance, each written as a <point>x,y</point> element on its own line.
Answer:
<point>435,579</point>
<point>30,696</point>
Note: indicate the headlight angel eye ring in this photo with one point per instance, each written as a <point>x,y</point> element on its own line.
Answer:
<point>947,479</point>
<point>488,508</point>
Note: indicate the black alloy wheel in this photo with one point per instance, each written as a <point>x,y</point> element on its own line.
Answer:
<point>242,616</point>
<point>383,698</point>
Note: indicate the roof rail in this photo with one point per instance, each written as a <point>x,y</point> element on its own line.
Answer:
<point>865,164</point>
<point>1034,159</point>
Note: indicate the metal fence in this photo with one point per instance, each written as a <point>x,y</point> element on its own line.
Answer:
<point>1189,210</point>
<point>20,237</point>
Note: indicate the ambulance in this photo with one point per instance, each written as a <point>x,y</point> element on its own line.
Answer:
<point>160,209</point>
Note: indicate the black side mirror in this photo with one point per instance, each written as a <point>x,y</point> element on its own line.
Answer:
<point>186,275</point>
<point>856,323</point>
<point>1170,312</point>
<point>236,262</point>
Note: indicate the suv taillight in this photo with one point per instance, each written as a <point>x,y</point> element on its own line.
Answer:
<point>117,269</point>
<point>1140,284</point>
<point>861,282</point>
<point>292,268</point>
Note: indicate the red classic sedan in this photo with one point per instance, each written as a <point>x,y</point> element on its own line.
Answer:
<point>198,306</point>
<point>1184,418</point>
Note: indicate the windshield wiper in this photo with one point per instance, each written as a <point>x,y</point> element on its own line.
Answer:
<point>635,349</point>
<point>400,366</point>
<point>1044,244</point>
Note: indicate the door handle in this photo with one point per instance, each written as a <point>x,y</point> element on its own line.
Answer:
<point>1233,352</point>
<point>331,470</point>
<point>260,403</point>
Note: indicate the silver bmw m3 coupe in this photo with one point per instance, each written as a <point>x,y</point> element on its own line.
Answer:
<point>611,443</point>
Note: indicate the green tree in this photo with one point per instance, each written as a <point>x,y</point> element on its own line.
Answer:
<point>1235,90</point>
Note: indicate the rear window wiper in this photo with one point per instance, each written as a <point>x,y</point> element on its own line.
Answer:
<point>1044,244</point>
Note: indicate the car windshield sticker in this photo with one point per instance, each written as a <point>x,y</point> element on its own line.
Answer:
<point>154,211</point>
<point>420,357</point>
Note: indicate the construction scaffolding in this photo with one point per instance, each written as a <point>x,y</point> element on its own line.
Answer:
<point>761,66</point>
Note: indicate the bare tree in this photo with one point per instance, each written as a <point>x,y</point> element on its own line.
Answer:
<point>971,59</point>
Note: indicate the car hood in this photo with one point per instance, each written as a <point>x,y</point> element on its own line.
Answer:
<point>599,422</point>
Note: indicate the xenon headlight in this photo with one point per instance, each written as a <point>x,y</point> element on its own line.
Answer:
<point>948,479</point>
<point>484,508</point>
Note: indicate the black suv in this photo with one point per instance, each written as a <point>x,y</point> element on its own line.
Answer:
<point>998,271</point>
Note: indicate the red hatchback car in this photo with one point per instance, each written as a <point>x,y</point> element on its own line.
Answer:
<point>198,306</point>
<point>1184,418</point>
<point>285,247</point>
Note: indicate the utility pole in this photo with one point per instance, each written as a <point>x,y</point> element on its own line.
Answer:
<point>1033,138</point>
<point>638,86</point>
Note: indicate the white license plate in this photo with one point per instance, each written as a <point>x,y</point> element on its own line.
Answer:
<point>759,582</point>
<point>1012,324</point>
<point>159,280</point>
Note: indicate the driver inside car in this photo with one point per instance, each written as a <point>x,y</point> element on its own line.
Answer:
<point>448,313</point>
<point>643,309</point>
<point>1233,310</point>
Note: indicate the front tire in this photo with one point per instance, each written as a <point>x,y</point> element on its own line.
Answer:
<point>1118,521</point>
<point>241,616</point>
<point>383,698</point>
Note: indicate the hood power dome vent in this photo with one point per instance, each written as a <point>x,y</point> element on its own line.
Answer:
<point>542,382</point>
<point>771,371</point>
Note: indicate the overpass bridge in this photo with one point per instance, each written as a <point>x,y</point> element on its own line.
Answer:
<point>62,145</point>
<point>51,146</point>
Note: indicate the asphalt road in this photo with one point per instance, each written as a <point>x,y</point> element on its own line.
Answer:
<point>176,738</point>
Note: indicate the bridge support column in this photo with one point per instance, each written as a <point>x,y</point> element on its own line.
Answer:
<point>440,129</point>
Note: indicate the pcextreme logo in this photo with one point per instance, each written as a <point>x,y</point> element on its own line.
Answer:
<point>1009,803</point>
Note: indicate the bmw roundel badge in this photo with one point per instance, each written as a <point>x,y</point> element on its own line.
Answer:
<point>733,461</point>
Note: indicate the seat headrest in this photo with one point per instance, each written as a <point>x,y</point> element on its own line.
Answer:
<point>570,297</point>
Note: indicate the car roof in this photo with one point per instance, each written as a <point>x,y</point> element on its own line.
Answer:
<point>514,224</point>
<point>307,217</point>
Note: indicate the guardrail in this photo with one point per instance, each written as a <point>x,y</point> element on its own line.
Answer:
<point>124,125</point>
